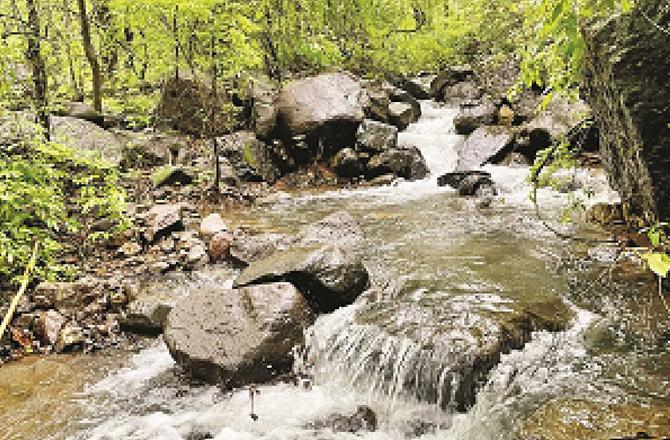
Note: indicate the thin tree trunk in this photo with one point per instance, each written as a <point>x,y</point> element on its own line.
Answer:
<point>212,117</point>
<point>91,55</point>
<point>34,56</point>
<point>175,30</point>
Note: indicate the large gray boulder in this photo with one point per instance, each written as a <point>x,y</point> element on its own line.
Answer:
<point>407,162</point>
<point>236,337</point>
<point>484,145</point>
<point>87,137</point>
<point>327,105</point>
<point>419,87</point>
<point>449,77</point>
<point>627,65</point>
<point>330,277</point>
<point>251,159</point>
<point>264,111</point>
<point>471,117</point>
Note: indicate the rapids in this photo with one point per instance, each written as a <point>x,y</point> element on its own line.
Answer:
<point>439,245</point>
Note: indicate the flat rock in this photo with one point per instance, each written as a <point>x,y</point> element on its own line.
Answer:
<point>484,145</point>
<point>329,277</point>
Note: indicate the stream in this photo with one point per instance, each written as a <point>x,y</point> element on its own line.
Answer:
<point>439,247</point>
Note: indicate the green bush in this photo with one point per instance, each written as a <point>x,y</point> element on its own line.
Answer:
<point>50,193</point>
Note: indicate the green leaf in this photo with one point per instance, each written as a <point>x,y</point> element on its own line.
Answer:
<point>658,262</point>
<point>654,237</point>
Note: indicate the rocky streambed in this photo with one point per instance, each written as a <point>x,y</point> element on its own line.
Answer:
<point>416,313</point>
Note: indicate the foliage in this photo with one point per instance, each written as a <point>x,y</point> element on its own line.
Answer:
<point>49,192</point>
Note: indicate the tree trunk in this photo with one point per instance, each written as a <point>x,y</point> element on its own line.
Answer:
<point>91,55</point>
<point>212,117</point>
<point>34,56</point>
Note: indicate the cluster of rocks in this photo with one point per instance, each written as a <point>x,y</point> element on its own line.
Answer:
<point>65,316</point>
<point>245,333</point>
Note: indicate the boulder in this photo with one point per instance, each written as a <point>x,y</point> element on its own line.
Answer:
<point>466,91</point>
<point>67,297</point>
<point>376,137</point>
<point>141,149</point>
<point>484,145</point>
<point>399,95</point>
<point>347,164</point>
<point>401,114</point>
<point>162,220</point>
<point>449,349</point>
<point>449,77</point>
<point>171,176</point>
<point>264,94</point>
<point>236,337</point>
<point>407,163</point>
<point>212,225</point>
<point>326,109</point>
<point>378,102</point>
<point>419,87</point>
<point>469,183</point>
<point>251,159</point>
<point>330,277</point>
<point>86,137</point>
<point>550,126</point>
<point>145,317</point>
<point>339,228</point>
<point>627,64</point>
<point>472,117</point>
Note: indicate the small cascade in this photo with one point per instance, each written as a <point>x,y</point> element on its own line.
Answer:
<point>435,136</point>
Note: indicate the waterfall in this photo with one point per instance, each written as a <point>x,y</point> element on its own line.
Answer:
<point>435,136</point>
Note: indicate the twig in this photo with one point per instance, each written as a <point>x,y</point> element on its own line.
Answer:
<point>22,289</point>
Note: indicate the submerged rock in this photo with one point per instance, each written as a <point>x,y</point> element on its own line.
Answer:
<point>339,228</point>
<point>406,162</point>
<point>236,337</point>
<point>364,419</point>
<point>468,183</point>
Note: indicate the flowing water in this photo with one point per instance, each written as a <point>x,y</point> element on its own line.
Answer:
<point>432,249</point>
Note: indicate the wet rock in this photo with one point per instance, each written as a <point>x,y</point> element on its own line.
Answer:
<point>212,225</point>
<point>363,420</point>
<point>236,337</point>
<point>419,87</point>
<point>627,82</point>
<point>339,228</point>
<point>401,96</point>
<point>401,115</point>
<point>468,183</point>
<point>172,175</point>
<point>145,317</point>
<point>197,254</point>
<point>162,220</point>
<point>384,179</point>
<point>347,164</point>
<point>376,137</point>
<point>70,336</point>
<point>219,246</point>
<point>451,348</point>
<point>471,118</point>
<point>515,160</point>
<point>329,277</point>
<point>378,100</point>
<point>565,419</point>
<point>407,163</point>
<point>484,145</point>
<point>86,137</point>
